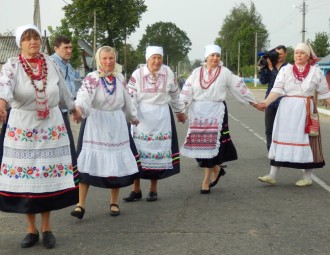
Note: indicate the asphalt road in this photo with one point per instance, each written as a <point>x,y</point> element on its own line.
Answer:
<point>240,216</point>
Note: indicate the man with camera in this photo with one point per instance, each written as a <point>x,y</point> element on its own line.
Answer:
<point>270,64</point>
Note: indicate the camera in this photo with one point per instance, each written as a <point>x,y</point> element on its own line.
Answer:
<point>272,55</point>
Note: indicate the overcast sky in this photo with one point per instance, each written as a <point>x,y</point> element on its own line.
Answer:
<point>200,19</point>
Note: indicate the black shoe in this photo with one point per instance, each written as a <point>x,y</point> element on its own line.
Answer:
<point>48,239</point>
<point>114,213</point>
<point>29,240</point>
<point>78,214</point>
<point>221,173</point>
<point>205,191</point>
<point>152,196</point>
<point>133,196</point>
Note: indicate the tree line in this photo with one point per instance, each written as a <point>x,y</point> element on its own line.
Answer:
<point>116,20</point>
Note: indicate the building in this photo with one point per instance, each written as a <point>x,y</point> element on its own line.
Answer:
<point>324,64</point>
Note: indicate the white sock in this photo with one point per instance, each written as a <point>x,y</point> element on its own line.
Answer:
<point>308,174</point>
<point>273,171</point>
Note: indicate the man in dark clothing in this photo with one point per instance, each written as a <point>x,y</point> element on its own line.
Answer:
<point>268,75</point>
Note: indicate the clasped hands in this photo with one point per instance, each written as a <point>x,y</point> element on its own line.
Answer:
<point>261,106</point>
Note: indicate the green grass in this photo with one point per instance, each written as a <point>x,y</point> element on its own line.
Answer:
<point>259,86</point>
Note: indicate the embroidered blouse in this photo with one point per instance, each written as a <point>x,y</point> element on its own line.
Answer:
<point>163,89</point>
<point>17,90</point>
<point>287,84</point>
<point>91,94</point>
<point>217,91</point>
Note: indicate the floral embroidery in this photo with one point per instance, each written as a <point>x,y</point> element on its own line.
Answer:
<point>50,171</point>
<point>90,83</point>
<point>158,156</point>
<point>242,87</point>
<point>151,137</point>
<point>35,135</point>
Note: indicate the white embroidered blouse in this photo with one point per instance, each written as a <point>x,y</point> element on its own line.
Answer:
<point>92,95</point>
<point>217,91</point>
<point>287,84</point>
<point>159,89</point>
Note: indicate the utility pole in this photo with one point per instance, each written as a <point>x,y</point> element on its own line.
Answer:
<point>36,14</point>
<point>238,57</point>
<point>255,58</point>
<point>303,21</point>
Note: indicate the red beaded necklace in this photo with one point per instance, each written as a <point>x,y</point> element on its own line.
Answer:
<point>301,75</point>
<point>208,83</point>
<point>42,73</point>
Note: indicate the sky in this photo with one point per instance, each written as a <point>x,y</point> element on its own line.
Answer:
<point>200,19</point>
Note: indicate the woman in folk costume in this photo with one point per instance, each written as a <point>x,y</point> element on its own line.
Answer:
<point>107,155</point>
<point>291,144</point>
<point>37,173</point>
<point>205,93</point>
<point>153,88</point>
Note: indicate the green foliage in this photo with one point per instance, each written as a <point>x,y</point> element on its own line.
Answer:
<point>175,43</point>
<point>241,25</point>
<point>290,57</point>
<point>321,44</point>
<point>64,30</point>
<point>196,63</point>
<point>132,59</point>
<point>115,19</point>
<point>248,71</point>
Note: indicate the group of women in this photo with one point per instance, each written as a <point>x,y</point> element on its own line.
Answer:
<point>38,171</point>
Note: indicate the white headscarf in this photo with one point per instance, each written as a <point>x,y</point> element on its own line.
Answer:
<point>117,68</point>
<point>20,30</point>
<point>152,50</point>
<point>306,47</point>
<point>210,49</point>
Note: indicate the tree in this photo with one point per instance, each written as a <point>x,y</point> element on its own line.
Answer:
<point>241,27</point>
<point>115,19</point>
<point>175,43</point>
<point>132,59</point>
<point>321,44</point>
<point>64,30</point>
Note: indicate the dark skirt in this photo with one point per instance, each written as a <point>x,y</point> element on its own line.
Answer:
<point>108,182</point>
<point>32,203</point>
<point>158,174</point>
<point>227,150</point>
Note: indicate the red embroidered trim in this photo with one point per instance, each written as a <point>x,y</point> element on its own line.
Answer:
<point>291,144</point>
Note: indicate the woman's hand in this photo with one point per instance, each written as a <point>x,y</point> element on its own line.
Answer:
<point>135,122</point>
<point>181,117</point>
<point>76,115</point>
<point>260,106</point>
<point>3,111</point>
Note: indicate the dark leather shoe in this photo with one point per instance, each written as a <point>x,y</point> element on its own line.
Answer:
<point>133,196</point>
<point>78,213</point>
<point>29,240</point>
<point>48,239</point>
<point>152,196</point>
<point>205,191</point>
<point>215,182</point>
<point>112,212</point>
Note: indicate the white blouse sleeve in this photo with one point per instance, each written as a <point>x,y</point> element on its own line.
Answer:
<point>129,108</point>
<point>86,94</point>
<point>187,92</point>
<point>132,88</point>
<point>239,89</point>
<point>280,81</point>
<point>176,102</point>
<point>8,81</point>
